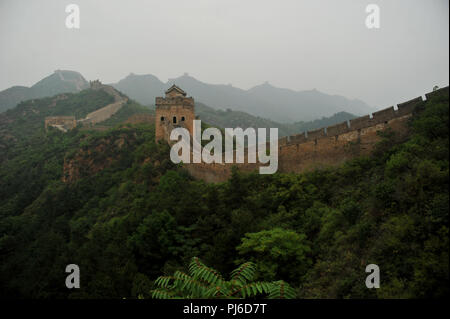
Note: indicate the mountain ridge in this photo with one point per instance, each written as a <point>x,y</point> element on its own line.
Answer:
<point>234,118</point>
<point>264,100</point>
<point>60,81</point>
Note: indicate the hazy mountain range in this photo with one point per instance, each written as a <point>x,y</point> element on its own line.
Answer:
<point>230,118</point>
<point>265,100</point>
<point>61,81</point>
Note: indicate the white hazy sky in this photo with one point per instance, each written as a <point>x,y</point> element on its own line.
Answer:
<point>322,44</point>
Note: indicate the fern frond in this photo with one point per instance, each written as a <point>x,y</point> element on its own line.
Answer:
<point>243,274</point>
<point>186,283</point>
<point>281,290</point>
<point>201,271</point>
<point>252,289</point>
<point>162,294</point>
<point>163,281</point>
<point>204,282</point>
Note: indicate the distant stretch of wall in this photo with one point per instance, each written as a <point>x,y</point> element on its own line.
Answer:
<point>63,123</point>
<point>328,146</point>
<point>107,111</point>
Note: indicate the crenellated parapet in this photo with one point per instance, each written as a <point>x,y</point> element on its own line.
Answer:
<point>371,120</point>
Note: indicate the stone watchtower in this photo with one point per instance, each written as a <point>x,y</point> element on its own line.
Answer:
<point>174,110</point>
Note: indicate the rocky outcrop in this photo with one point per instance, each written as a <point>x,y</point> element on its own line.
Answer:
<point>95,157</point>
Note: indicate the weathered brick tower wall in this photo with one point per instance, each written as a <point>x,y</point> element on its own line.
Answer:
<point>173,110</point>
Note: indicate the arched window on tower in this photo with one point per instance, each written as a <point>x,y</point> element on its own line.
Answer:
<point>182,119</point>
<point>162,118</point>
<point>174,120</point>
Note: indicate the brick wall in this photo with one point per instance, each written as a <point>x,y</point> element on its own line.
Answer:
<point>329,146</point>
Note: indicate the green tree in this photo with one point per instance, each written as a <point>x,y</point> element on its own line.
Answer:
<point>279,252</point>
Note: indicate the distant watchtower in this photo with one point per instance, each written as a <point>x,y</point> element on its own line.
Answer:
<point>174,110</point>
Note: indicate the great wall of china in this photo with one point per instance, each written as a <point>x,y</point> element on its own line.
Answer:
<point>65,123</point>
<point>325,147</point>
<point>106,112</point>
<point>321,148</point>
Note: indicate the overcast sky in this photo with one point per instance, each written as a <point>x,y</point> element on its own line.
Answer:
<point>298,44</point>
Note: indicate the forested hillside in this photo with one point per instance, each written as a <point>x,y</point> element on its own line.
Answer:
<point>127,215</point>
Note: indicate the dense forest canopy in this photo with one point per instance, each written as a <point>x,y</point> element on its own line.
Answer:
<point>131,215</point>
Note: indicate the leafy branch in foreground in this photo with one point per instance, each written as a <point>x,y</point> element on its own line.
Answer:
<point>203,282</point>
